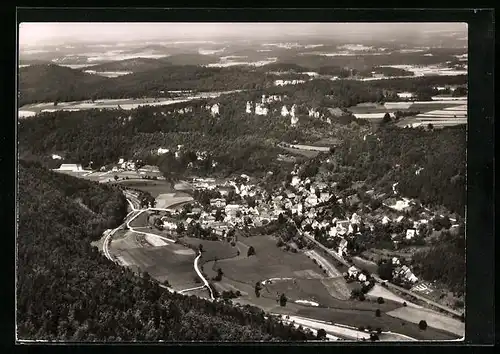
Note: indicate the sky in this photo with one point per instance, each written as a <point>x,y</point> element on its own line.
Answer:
<point>32,33</point>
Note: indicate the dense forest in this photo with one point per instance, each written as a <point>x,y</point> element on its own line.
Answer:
<point>444,261</point>
<point>145,64</point>
<point>67,290</point>
<point>394,155</point>
<point>363,62</point>
<point>233,139</point>
<point>47,83</point>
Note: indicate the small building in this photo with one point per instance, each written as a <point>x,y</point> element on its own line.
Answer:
<point>218,202</point>
<point>410,233</point>
<point>71,167</point>
<point>353,271</point>
<point>405,95</point>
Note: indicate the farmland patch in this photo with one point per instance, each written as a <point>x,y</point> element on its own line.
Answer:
<point>433,319</point>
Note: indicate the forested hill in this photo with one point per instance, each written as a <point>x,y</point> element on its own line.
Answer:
<point>145,64</point>
<point>49,82</point>
<point>67,290</point>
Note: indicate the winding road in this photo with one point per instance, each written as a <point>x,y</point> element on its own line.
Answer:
<point>107,240</point>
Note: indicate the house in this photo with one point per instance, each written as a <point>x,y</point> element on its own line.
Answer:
<point>70,167</point>
<point>248,108</point>
<point>353,271</point>
<point>312,200</point>
<point>405,95</point>
<point>342,247</point>
<point>218,202</point>
<point>410,233</point>
<point>386,220</point>
<point>395,261</point>
<point>261,110</point>
<point>169,225</point>
<point>355,219</point>
<point>232,208</point>
<point>400,218</point>
<point>361,277</point>
<point>162,151</point>
<point>56,157</point>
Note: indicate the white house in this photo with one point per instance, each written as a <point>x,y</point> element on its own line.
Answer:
<point>410,233</point>
<point>353,271</point>
<point>395,261</point>
<point>218,202</point>
<point>162,151</point>
<point>406,95</point>
<point>355,219</point>
<point>342,247</point>
<point>261,110</point>
<point>294,120</point>
<point>214,110</point>
<point>284,111</point>
<point>248,108</point>
<point>232,208</point>
<point>56,157</point>
<point>386,220</point>
<point>361,277</point>
<point>295,181</point>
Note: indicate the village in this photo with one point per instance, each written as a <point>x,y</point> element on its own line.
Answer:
<point>221,207</point>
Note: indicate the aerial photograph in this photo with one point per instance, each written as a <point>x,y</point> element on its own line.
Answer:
<point>241,182</point>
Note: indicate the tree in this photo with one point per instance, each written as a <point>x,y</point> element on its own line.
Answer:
<point>283,300</point>
<point>332,150</point>
<point>430,126</point>
<point>387,118</point>
<point>380,300</point>
<point>279,243</point>
<point>377,313</point>
<point>251,251</point>
<point>321,334</point>
<point>181,228</point>
<point>218,277</point>
<point>116,178</point>
<point>200,248</point>
<point>422,325</point>
<point>385,270</point>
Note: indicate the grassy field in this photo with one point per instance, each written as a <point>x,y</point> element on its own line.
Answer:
<point>433,319</point>
<point>356,318</point>
<point>212,249</point>
<point>155,188</point>
<point>269,261</point>
<point>172,262</point>
<point>140,221</point>
<point>305,289</point>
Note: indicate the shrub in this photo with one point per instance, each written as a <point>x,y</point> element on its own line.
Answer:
<point>404,304</point>
<point>422,325</point>
<point>361,328</point>
<point>377,313</point>
<point>361,297</point>
<point>251,251</point>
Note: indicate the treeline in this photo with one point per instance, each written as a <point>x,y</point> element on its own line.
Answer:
<point>394,155</point>
<point>363,62</point>
<point>67,290</point>
<point>47,83</point>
